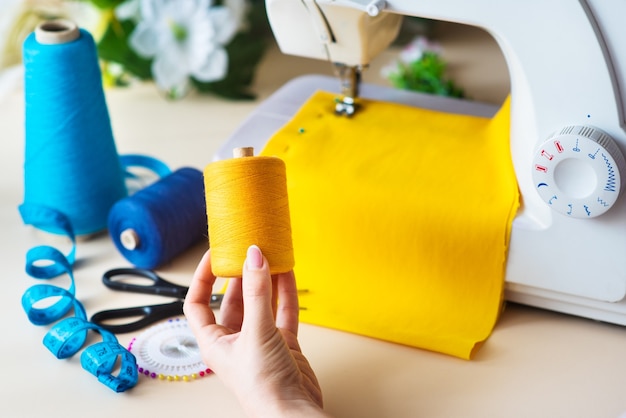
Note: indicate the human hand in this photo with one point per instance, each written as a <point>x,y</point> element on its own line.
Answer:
<point>255,354</point>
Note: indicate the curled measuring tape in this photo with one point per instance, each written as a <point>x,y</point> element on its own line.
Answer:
<point>68,336</point>
<point>169,351</point>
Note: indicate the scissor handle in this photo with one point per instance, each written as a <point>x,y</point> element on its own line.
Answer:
<point>148,315</point>
<point>159,286</point>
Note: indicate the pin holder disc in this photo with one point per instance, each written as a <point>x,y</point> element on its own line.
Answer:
<point>169,351</point>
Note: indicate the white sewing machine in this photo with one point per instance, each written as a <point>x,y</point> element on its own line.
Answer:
<point>567,63</point>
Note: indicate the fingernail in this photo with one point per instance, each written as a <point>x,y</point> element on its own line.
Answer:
<point>254,257</point>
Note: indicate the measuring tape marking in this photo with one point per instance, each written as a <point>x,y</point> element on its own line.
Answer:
<point>69,335</point>
<point>100,360</point>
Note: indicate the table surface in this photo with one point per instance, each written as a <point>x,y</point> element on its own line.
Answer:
<point>536,363</point>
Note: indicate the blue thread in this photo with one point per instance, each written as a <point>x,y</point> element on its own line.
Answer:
<point>168,217</point>
<point>71,162</point>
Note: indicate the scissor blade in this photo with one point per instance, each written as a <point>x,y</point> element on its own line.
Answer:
<point>216,300</point>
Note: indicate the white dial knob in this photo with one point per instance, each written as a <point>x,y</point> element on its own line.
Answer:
<point>578,170</point>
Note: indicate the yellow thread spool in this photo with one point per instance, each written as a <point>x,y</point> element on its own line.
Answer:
<point>247,203</point>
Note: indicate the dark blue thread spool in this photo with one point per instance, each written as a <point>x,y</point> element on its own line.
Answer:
<point>157,223</point>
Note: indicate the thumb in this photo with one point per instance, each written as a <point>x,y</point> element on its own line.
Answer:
<point>256,287</point>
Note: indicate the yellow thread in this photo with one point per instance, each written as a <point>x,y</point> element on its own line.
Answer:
<point>247,204</point>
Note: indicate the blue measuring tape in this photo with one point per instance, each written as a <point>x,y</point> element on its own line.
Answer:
<point>68,336</point>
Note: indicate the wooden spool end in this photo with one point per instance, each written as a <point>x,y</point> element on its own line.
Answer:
<point>243,152</point>
<point>59,31</point>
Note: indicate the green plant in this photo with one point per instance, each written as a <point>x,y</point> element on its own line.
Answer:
<point>425,74</point>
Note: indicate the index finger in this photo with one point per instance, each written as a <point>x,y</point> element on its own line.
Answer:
<point>197,307</point>
<point>288,309</point>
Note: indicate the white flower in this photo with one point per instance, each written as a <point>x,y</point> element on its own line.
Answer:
<point>185,38</point>
<point>129,10</point>
<point>414,50</point>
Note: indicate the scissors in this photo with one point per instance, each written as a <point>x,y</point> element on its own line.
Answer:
<point>114,279</point>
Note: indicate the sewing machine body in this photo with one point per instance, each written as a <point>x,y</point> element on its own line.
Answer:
<point>567,69</point>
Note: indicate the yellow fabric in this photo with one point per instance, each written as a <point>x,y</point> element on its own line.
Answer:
<point>400,220</point>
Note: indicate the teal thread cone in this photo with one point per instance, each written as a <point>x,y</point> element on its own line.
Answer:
<point>71,162</point>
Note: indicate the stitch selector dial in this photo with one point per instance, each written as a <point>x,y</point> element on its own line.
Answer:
<point>577,171</point>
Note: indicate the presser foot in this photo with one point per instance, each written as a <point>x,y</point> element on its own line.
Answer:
<point>350,79</point>
<point>345,106</point>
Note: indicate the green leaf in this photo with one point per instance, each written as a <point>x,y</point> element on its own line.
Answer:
<point>114,47</point>
<point>106,4</point>
<point>426,75</point>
